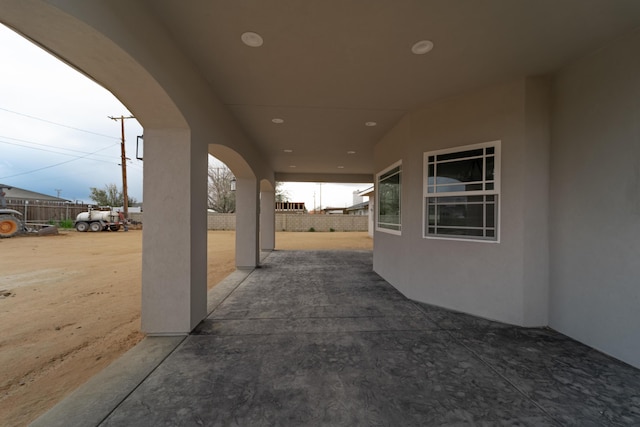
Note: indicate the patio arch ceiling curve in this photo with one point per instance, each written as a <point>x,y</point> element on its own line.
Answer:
<point>234,161</point>
<point>93,54</point>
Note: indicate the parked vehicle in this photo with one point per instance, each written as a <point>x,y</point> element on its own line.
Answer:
<point>99,220</point>
<point>10,223</point>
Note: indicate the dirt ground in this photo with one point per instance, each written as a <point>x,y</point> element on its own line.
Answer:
<point>70,305</point>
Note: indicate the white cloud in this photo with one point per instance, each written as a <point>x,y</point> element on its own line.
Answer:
<point>33,83</point>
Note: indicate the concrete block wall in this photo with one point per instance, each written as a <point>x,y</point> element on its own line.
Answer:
<point>221,221</point>
<point>304,222</point>
<point>289,222</point>
<point>297,222</point>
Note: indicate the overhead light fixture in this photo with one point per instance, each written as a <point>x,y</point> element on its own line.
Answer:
<point>340,167</point>
<point>277,121</point>
<point>370,124</point>
<point>252,39</point>
<point>422,47</point>
<point>287,150</point>
<point>351,152</point>
<point>292,166</point>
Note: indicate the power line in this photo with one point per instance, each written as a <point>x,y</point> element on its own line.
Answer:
<point>48,145</point>
<point>52,166</point>
<point>57,124</point>
<point>61,153</point>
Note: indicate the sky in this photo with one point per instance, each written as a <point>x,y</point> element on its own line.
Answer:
<point>56,136</point>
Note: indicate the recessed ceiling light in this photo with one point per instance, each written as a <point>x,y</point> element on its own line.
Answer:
<point>340,167</point>
<point>351,152</point>
<point>292,166</point>
<point>252,39</point>
<point>277,120</point>
<point>422,47</point>
<point>287,150</point>
<point>370,124</point>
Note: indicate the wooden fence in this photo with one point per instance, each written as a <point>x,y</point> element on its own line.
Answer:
<point>44,212</point>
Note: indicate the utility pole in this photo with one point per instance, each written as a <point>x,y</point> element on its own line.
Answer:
<point>123,162</point>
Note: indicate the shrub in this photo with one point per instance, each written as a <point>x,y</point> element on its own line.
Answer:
<point>312,229</point>
<point>65,223</point>
<point>331,230</point>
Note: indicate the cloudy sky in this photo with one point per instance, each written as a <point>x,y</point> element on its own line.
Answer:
<point>56,137</point>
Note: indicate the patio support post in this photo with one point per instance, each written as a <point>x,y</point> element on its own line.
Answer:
<point>267,220</point>
<point>174,244</point>
<point>247,223</point>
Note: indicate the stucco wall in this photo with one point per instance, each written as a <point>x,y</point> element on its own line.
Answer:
<point>595,201</point>
<point>505,281</point>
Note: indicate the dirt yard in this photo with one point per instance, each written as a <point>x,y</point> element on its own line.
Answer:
<point>70,305</point>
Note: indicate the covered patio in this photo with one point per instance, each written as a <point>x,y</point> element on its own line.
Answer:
<point>318,338</point>
<point>532,105</point>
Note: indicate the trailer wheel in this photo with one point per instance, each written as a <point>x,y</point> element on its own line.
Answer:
<point>82,226</point>
<point>95,226</point>
<point>114,227</point>
<point>9,226</point>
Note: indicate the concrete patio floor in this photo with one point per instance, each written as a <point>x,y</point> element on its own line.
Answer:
<point>317,339</point>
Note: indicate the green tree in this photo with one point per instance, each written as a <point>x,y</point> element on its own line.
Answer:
<point>109,196</point>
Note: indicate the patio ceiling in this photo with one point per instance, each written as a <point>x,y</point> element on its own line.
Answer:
<point>327,67</point>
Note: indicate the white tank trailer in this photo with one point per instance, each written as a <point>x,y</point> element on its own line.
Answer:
<point>98,220</point>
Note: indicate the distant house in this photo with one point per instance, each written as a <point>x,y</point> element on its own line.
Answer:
<point>39,207</point>
<point>20,195</point>
<point>358,209</point>
<point>333,211</point>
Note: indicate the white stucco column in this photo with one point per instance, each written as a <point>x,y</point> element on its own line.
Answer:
<point>247,223</point>
<point>267,220</point>
<point>174,244</point>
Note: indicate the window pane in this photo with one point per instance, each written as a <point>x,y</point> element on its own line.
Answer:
<point>461,171</point>
<point>393,171</point>
<point>451,188</point>
<point>475,199</point>
<point>489,173</point>
<point>460,155</point>
<point>461,215</point>
<point>490,150</point>
<point>389,200</point>
<point>431,215</point>
<point>491,215</point>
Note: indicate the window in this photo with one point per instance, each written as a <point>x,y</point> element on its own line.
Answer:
<point>461,192</point>
<point>389,192</point>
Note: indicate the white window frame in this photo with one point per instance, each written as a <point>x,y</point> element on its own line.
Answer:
<point>486,191</point>
<point>380,227</point>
